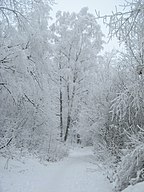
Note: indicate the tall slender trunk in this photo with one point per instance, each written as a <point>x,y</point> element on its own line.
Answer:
<point>61,104</point>
<point>67,127</point>
<point>61,110</point>
<point>70,107</point>
<point>68,116</point>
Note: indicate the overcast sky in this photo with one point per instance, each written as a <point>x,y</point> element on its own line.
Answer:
<point>104,6</point>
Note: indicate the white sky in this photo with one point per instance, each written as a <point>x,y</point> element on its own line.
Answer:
<point>104,6</point>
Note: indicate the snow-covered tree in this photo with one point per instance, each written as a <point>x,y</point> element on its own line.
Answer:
<point>127,107</point>
<point>76,40</point>
<point>27,118</point>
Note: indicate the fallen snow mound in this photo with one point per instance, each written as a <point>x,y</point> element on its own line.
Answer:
<point>135,188</point>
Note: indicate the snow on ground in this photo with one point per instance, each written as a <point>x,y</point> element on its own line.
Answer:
<point>76,173</point>
<point>136,188</point>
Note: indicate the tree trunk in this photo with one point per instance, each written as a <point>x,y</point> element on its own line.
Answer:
<point>61,111</point>
<point>67,127</point>
<point>61,106</point>
<point>68,116</point>
<point>70,107</point>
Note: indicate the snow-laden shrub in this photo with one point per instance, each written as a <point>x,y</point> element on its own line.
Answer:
<point>106,159</point>
<point>57,152</point>
<point>131,169</point>
<point>53,152</point>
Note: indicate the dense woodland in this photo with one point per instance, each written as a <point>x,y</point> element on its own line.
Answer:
<point>58,89</point>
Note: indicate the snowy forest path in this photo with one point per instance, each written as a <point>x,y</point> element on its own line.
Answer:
<point>78,173</point>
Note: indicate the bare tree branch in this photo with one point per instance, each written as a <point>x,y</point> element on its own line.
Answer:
<point>7,144</point>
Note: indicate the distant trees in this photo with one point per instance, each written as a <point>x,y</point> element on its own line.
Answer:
<point>96,119</point>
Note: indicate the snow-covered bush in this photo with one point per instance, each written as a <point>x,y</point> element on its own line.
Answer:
<point>131,169</point>
<point>57,152</point>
